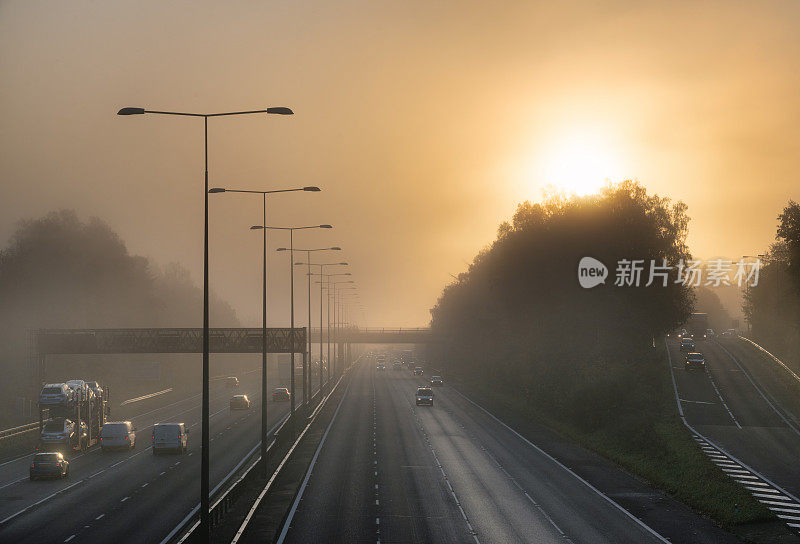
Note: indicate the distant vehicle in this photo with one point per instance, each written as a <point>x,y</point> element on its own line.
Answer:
<point>281,394</point>
<point>62,435</point>
<point>56,394</point>
<point>424,396</point>
<point>694,361</point>
<point>687,344</point>
<point>380,368</point>
<point>729,333</point>
<point>49,465</point>
<point>697,324</point>
<point>437,381</point>
<point>418,371</point>
<point>709,333</point>
<point>96,388</point>
<point>169,437</point>
<point>240,402</point>
<point>77,385</point>
<point>232,382</point>
<point>118,435</point>
<point>397,366</point>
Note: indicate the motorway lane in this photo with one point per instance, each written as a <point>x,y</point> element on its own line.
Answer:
<point>448,473</point>
<point>139,497</point>
<point>763,440</point>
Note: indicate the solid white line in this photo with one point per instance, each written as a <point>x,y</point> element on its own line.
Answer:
<point>568,470</point>
<point>714,385</point>
<point>143,397</point>
<point>99,517</point>
<point>305,480</point>
<point>124,499</point>
<point>69,538</point>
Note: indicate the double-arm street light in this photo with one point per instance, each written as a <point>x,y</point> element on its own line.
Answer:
<point>205,525</point>
<point>291,295</point>
<point>264,397</point>
<point>307,363</point>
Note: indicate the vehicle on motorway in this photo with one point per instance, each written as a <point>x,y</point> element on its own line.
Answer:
<point>231,382</point>
<point>61,434</point>
<point>687,344</point>
<point>169,437</point>
<point>418,371</point>
<point>397,366</point>
<point>380,368</point>
<point>49,465</point>
<point>118,435</point>
<point>78,385</point>
<point>729,333</point>
<point>424,396</point>
<point>96,388</point>
<point>56,394</point>
<point>437,381</point>
<point>709,333</point>
<point>281,394</point>
<point>694,361</point>
<point>697,324</point>
<point>240,402</point>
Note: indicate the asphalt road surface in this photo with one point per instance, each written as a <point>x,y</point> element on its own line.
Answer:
<point>726,405</point>
<point>391,471</point>
<point>131,496</point>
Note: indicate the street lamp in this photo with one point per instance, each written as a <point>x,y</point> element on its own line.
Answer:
<point>264,422</point>
<point>332,293</point>
<point>291,280</point>
<point>307,362</point>
<point>205,525</point>
<point>338,313</point>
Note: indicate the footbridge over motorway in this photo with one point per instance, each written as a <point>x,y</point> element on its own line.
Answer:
<point>44,342</point>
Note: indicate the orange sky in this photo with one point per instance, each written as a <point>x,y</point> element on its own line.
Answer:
<point>424,124</point>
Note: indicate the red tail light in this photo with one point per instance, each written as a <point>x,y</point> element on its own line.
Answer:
<point>126,437</point>
<point>32,465</point>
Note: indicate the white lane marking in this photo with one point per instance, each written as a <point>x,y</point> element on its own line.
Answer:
<point>163,473</point>
<point>99,517</point>
<point>714,385</point>
<point>636,520</point>
<point>145,484</point>
<point>69,538</point>
<point>124,499</point>
<point>143,397</point>
<point>14,482</point>
<point>788,510</point>
<point>697,401</point>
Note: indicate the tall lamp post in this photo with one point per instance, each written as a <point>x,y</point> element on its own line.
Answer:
<point>205,525</point>
<point>325,284</point>
<point>331,289</point>
<point>337,318</point>
<point>310,274</point>
<point>291,296</point>
<point>264,422</point>
<point>307,363</point>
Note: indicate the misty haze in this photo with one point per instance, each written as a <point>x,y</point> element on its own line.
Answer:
<point>455,272</point>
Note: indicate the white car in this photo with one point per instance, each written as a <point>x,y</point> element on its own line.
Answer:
<point>169,437</point>
<point>118,435</point>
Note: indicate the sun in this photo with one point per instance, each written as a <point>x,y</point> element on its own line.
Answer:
<point>579,162</point>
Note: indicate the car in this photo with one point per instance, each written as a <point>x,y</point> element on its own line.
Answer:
<point>281,394</point>
<point>709,333</point>
<point>687,344</point>
<point>77,385</point>
<point>56,394</point>
<point>380,368</point>
<point>170,437</point>
<point>437,381</point>
<point>694,361</point>
<point>418,371</point>
<point>240,402</point>
<point>729,333</point>
<point>232,382</point>
<point>397,366</point>
<point>96,388</point>
<point>59,435</point>
<point>52,465</point>
<point>424,396</point>
<point>118,435</point>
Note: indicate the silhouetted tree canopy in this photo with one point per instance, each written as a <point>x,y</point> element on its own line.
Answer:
<point>61,272</point>
<point>519,309</point>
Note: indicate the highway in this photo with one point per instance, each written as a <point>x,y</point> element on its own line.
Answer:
<point>131,496</point>
<point>743,430</point>
<point>390,471</point>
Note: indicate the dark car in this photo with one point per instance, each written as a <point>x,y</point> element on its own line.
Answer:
<point>437,381</point>
<point>232,382</point>
<point>418,371</point>
<point>687,344</point>
<point>424,396</point>
<point>240,402</point>
<point>281,394</point>
<point>397,366</point>
<point>380,368</point>
<point>694,361</point>
<point>49,465</point>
